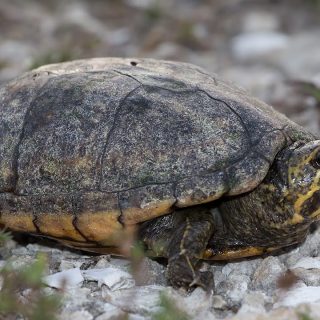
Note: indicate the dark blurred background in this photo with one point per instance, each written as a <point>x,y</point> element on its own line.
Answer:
<point>269,47</point>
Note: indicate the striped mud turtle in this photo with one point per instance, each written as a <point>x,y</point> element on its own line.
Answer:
<point>90,149</point>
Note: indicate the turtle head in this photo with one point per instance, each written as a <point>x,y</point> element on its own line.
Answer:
<point>303,179</point>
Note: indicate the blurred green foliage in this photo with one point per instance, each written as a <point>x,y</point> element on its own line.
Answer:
<point>22,291</point>
<point>4,237</point>
<point>308,88</point>
<point>315,3</point>
<point>312,90</point>
<point>304,316</point>
<point>169,311</point>
<point>315,92</point>
<point>3,64</point>
<point>153,13</point>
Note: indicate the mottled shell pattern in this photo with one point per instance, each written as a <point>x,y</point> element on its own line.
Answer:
<point>89,146</point>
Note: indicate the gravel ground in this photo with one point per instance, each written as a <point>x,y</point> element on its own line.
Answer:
<point>267,47</point>
<point>285,286</point>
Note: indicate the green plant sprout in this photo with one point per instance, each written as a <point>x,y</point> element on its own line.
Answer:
<point>22,291</point>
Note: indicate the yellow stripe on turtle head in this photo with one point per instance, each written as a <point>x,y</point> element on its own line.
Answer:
<point>304,185</point>
<point>302,198</point>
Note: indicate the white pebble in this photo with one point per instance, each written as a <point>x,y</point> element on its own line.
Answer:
<point>299,295</point>
<point>64,279</point>
<point>113,278</point>
<point>308,263</point>
<point>253,44</point>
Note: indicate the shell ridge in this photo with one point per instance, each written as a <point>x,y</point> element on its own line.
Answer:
<point>215,81</point>
<point>232,110</point>
<point>16,152</point>
<point>188,90</point>
<point>262,156</point>
<point>127,75</point>
<point>104,150</point>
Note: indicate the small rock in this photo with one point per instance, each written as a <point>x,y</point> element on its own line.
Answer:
<point>310,248</point>
<point>218,277</point>
<point>253,302</point>
<point>291,258</point>
<point>196,303</point>
<point>113,278</point>
<point>36,248</point>
<point>309,277</point>
<point>260,21</point>
<point>256,44</point>
<point>267,274</point>
<point>207,315</point>
<point>111,313</point>
<point>64,279</point>
<point>76,315</point>
<point>20,251</point>
<point>67,264</point>
<point>134,317</point>
<point>72,254</point>
<point>281,314</point>
<point>308,263</point>
<point>218,302</point>
<point>246,267</point>
<point>75,298</point>
<point>150,272</point>
<point>311,311</point>
<point>141,300</point>
<point>20,262</point>
<point>262,81</point>
<point>16,52</point>
<point>9,245</point>
<point>301,57</point>
<point>234,287</point>
<point>103,262</point>
<point>299,295</point>
<point>120,263</point>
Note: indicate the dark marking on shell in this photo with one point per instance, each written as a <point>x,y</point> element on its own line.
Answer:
<point>74,223</point>
<point>121,217</point>
<point>34,221</point>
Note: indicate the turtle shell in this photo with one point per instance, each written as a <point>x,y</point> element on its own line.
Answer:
<point>89,146</point>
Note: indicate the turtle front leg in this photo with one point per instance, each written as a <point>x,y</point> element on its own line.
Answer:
<point>186,248</point>
<point>182,237</point>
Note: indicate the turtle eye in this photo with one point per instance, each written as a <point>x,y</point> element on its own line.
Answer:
<point>316,161</point>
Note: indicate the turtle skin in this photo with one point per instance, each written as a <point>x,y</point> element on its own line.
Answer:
<point>92,148</point>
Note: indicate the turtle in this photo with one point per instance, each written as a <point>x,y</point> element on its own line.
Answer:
<point>194,166</point>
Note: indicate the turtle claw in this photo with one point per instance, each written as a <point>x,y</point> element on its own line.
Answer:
<point>180,274</point>
<point>203,280</point>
